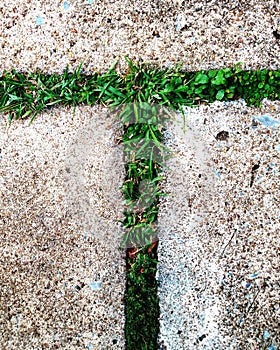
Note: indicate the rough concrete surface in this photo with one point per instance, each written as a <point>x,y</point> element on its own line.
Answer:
<point>49,35</point>
<point>219,247</point>
<point>62,284</point>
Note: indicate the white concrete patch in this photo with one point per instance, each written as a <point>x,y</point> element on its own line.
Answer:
<point>213,277</point>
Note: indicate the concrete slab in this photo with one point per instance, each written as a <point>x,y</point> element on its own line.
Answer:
<point>49,35</point>
<point>62,283</point>
<point>219,247</point>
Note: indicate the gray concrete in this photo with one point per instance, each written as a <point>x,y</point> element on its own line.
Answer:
<point>201,34</point>
<point>219,247</point>
<point>62,283</point>
<point>206,269</point>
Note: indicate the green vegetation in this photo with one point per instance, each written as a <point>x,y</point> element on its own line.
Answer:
<point>142,125</point>
<point>25,95</point>
<point>134,96</point>
<point>141,300</point>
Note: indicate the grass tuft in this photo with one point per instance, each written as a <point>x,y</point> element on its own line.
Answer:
<point>25,95</point>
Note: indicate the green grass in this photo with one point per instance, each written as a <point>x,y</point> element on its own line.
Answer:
<point>142,98</point>
<point>25,95</point>
<point>142,307</point>
<point>144,154</point>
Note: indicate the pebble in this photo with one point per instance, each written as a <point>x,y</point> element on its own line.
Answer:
<point>266,335</point>
<point>39,21</point>
<point>65,5</point>
<point>267,120</point>
<point>95,285</point>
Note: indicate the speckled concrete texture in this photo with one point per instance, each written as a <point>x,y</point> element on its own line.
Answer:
<point>61,285</point>
<point>219,278</point>
<point>49,35</point>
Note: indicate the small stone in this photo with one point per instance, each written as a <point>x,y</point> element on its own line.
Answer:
<point>156,33</point>
<point>95,285</point>
<point>276,34</point>
<point>267,120</point>
<point>66,5</point>
<point>222,135</point>
<point>180,22</point>
<point>203,336</point>
<point>266,335</point>
<point>39,21</point>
